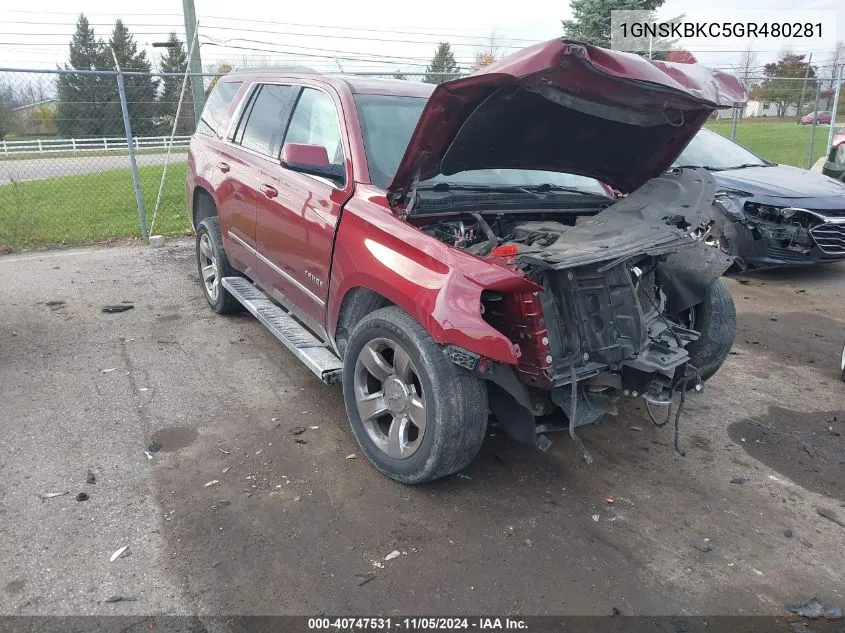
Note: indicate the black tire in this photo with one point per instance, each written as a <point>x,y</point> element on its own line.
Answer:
<point>222,302</point>
<point>715,320</point>
<point>455,402</point>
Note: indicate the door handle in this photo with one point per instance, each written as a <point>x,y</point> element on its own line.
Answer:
<point>269,191</point>
<point>224,167</point>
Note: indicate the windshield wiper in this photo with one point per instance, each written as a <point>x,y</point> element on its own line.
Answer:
<point>712,168</point>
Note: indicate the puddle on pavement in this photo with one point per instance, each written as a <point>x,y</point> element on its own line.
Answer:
<point>174,438</point>
<point>806,447</point>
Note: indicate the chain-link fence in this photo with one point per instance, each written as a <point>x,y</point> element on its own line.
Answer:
<point>68,140</point>
<point>786,120</point>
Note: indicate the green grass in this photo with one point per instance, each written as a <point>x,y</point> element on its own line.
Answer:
<point>781,141</point>
<point>98,207</point>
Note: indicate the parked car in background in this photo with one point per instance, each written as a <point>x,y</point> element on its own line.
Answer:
<point>822,118</point>
<point>835,164</point>
<point>450,253</point>
<point>767,214</point>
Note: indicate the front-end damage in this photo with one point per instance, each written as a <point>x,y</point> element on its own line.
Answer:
<point>613,318</point>
<point>761,233</point>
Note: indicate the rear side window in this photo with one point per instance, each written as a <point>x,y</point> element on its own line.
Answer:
<point>216,105</point>
<point>264,125</point>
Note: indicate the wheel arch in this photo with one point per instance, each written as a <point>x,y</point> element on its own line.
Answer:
<point>203,205</point>
<point>357,303</point>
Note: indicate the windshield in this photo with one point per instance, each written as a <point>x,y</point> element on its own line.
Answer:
<point>709,149</point>
<point>387,123</point>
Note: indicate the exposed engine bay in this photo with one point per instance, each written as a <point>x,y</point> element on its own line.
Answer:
<point>617,310</point>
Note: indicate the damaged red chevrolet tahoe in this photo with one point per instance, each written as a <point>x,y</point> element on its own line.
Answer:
<point>451,252</point>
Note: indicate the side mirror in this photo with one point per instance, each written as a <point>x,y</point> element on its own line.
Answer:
<point>310,159</point>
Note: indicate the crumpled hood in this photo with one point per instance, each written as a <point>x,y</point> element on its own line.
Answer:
<point>568,107</point>
<point>781,181</point>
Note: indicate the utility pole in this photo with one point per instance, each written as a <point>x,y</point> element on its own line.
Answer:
<point>804,86</point>
<point>194,61</point>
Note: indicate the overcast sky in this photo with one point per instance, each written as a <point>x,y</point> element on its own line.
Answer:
<point>335,34</point>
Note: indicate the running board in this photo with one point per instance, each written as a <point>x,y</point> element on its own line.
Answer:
<point>307,347</point>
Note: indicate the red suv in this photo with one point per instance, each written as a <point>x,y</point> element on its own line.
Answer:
<point>451,252</point>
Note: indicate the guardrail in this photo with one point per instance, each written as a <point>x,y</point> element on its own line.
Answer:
<point>107,144</point>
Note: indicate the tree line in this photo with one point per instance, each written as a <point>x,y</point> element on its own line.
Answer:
<point>89,104</point>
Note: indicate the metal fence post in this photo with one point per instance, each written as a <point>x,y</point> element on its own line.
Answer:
<point>130,147</point>
<point>733,123</point>
<point>833,109</point>
<point>815,125</point>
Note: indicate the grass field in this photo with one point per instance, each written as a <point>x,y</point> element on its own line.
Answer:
<point>88,208</point>
<point>781,141</point>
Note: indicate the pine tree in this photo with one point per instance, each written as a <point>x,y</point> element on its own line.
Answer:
<point>141,90</point>
<point>442,65</point>
<point>83,99</point>
<point>175,60</point>
<point>590,21</point>
<point>399,75</point>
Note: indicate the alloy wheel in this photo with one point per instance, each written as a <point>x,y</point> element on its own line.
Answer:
<point>208,268</point>
<point>389,398</point>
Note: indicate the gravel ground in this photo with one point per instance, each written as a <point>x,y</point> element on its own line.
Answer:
<point>295,528</point>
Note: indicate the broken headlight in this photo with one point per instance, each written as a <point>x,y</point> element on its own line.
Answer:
<point>731,204</point>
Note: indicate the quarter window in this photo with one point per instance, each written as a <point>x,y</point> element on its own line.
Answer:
<point>216,105</point>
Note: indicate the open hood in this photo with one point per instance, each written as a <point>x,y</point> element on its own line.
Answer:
<point>568,107</point>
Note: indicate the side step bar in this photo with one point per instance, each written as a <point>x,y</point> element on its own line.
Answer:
<point>307,347</point>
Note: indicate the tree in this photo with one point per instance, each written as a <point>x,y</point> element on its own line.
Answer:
<point>442,65</point>
<point>223,68</point>
<point>399,75</point>
<point>140,90</point>
<point>681,56</point>
<point>590,21</point>
<point>175,60</point>
<point>84,98</point>
<point>489,53</point>
<point>780,86</point>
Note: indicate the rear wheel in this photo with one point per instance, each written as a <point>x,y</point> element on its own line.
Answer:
<point>715,319</point>
<point>213,265</point>
<point>415,414</point>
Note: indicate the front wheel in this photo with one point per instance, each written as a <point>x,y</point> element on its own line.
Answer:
<point>715,319</point>
<point>415,414</point>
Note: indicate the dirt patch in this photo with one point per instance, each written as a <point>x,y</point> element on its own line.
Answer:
<point>807,447</point>
<point>174,438</point>
<point>794,338</point>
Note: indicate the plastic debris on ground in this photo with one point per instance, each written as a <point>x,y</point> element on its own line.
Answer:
<point>395,553</point>
<point>462,476</point>
<point>351,456</point>
<point>120,307</point>
<point>787,533</point>
<point>365,578</point>
<point>109,370</point>
<point>811,608</point>
<point>702,545</point>
<point>738,480</point>
<point>833,614</point>
<point>50,495</point>
<point>82,496</point>
<point>596,518</point>
<point>211,483</point>
<point>298,430</point>
<point>118,553</point>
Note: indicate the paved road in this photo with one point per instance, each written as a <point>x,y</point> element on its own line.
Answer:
<point>43,168</point>
<point>289,526</point>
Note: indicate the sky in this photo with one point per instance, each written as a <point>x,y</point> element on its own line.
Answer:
<point>353,36</point>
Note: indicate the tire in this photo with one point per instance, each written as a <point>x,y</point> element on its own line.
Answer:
<point>215,263</point>
<point>715,320</point>
<point>842,364</point>
<point>424,386</point>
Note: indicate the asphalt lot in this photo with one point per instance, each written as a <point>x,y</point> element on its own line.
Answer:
<point>289,526</point>
<point>42,168</point>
